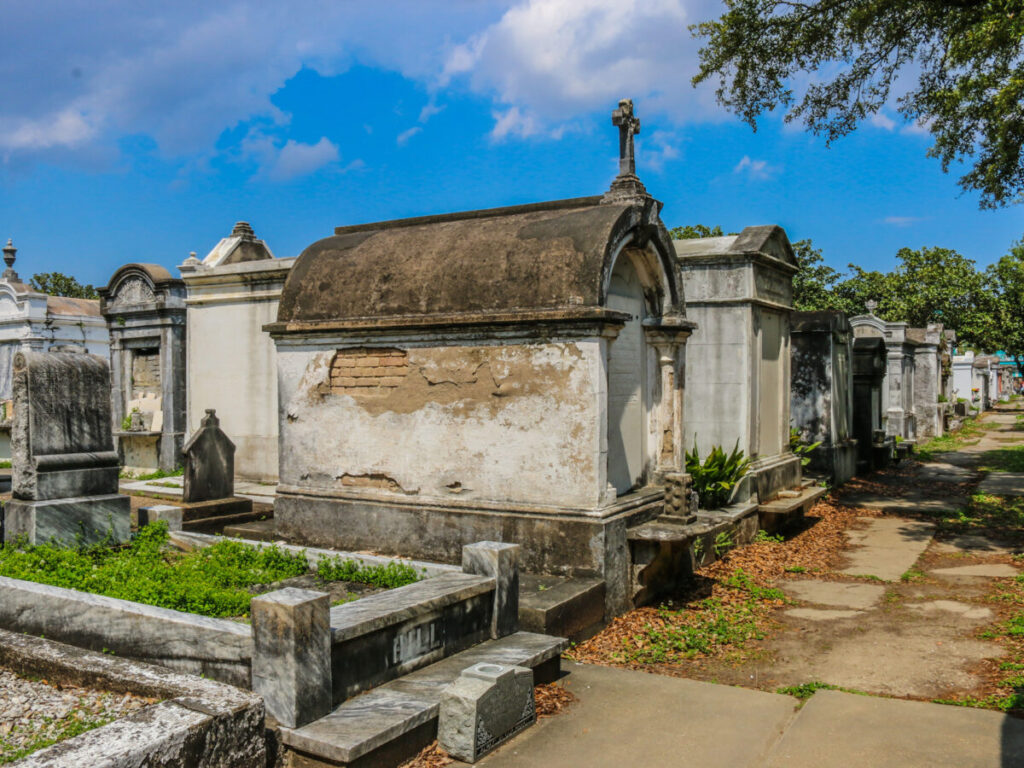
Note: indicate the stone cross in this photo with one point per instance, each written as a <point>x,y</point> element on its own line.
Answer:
<point>629,126</point>
<point>871,305</point>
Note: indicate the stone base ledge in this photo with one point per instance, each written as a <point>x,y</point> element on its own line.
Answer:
<point>198,724</point>
<point>85,519</point>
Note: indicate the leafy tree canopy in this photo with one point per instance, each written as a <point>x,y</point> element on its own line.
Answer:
<point>966,56</point>
<point>695,231</point>
<point>59,284</point>
<point>1005,283</point>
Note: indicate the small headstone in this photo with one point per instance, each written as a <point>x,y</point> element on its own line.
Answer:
<point>486,706</point>
<point>173,516</point>
<point>65,468</point>
<point>209,462</point>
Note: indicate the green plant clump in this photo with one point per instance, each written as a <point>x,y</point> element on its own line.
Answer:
<point>210,581</point>
<point>394,574</point>
<point>715,478</point>
<point>801,447</point>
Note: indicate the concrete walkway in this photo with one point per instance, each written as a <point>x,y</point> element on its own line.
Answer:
<point>625,718</point>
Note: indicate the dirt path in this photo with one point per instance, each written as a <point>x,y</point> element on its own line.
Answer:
<point>909,592</point>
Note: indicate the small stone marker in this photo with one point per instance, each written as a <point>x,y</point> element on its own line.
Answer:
<point>501,563</point>
<point>64,466</point>
<point>209,462</point>
<point>174,516</point>
<point>291,660</point>
<point>485,707</point>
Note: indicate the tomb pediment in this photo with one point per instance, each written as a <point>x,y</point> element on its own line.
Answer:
<point>138,287</point>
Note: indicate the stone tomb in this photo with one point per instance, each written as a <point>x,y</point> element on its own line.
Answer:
<point>209,477</point>
<point>33,321</point>
<point>928,411</point>
<point>739,291</point>
<point>145,312</point>
<point>65,468</point>
<point>822,391</point>
<point>232,365</point>
<point>874,446</point>
<point>901,349</point>
<point>513,374</point>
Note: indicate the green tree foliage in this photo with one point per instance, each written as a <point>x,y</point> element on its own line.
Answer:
<point>814,285</point>
<point>1005,282</point>
<point>59,284</point>
<point>965,55</point>
<point>695,231</point>
<point>938,285</point>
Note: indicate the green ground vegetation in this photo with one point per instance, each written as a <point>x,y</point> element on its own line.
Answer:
<point>158,475</point>
<point>391,575</point>
<point>705,627</point>
<point>967,434</point>
<point>212,581</point>
<point>1010,459</point>
<point>52,731</point>
<point>1002,517</point>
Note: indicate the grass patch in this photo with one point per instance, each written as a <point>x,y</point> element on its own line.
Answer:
<point>53,732</point>
<point>5,464</point>
<point>1001,516</point>
<point>706,627</point>
<point>1004,702</point>
<point>1004,460</point>
<point>795,569</point>
<point>159,474</point>
<point>967,434</point>
<point>912,574</point>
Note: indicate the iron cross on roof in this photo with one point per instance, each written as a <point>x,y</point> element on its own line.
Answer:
<point>629,126</point>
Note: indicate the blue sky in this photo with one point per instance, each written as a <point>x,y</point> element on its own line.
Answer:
<point>142,131</point>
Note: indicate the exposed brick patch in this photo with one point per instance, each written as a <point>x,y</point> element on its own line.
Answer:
<point>368,370</point>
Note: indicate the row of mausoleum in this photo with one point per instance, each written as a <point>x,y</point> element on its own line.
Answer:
<point>534,375</point>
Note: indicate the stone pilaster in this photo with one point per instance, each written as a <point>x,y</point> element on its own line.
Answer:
<point>291,660</point>
<point>501,563</point>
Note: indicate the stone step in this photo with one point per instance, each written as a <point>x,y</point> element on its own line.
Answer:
<point>218,523</point>
<point>786,510</point>
<point>561,606</point>
<point>394,721</point>
<point>258,530</point>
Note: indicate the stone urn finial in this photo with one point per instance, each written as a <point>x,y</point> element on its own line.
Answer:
<point>10,253</point>
<point>871,306</point>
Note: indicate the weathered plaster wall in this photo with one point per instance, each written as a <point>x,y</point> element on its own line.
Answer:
<point>232,363</point>
<point>720,357</point>
<point>509,423</point>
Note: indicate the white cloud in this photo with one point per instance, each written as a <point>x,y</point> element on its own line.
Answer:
<point>182,73</point>
<point>758,170</point>
<point>902,221</point>
<point>918,127</point>
<point>297,159</point>
<point>883,121</point>
<point>429,110</point>
<point>548,61</point>
<point>405,135</point>
<point>514,122</point>
<point>659,148</point>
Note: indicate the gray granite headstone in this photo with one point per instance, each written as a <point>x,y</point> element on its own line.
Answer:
<point>209,462</point>
<point>486,706</point>
<point>65,468</point>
